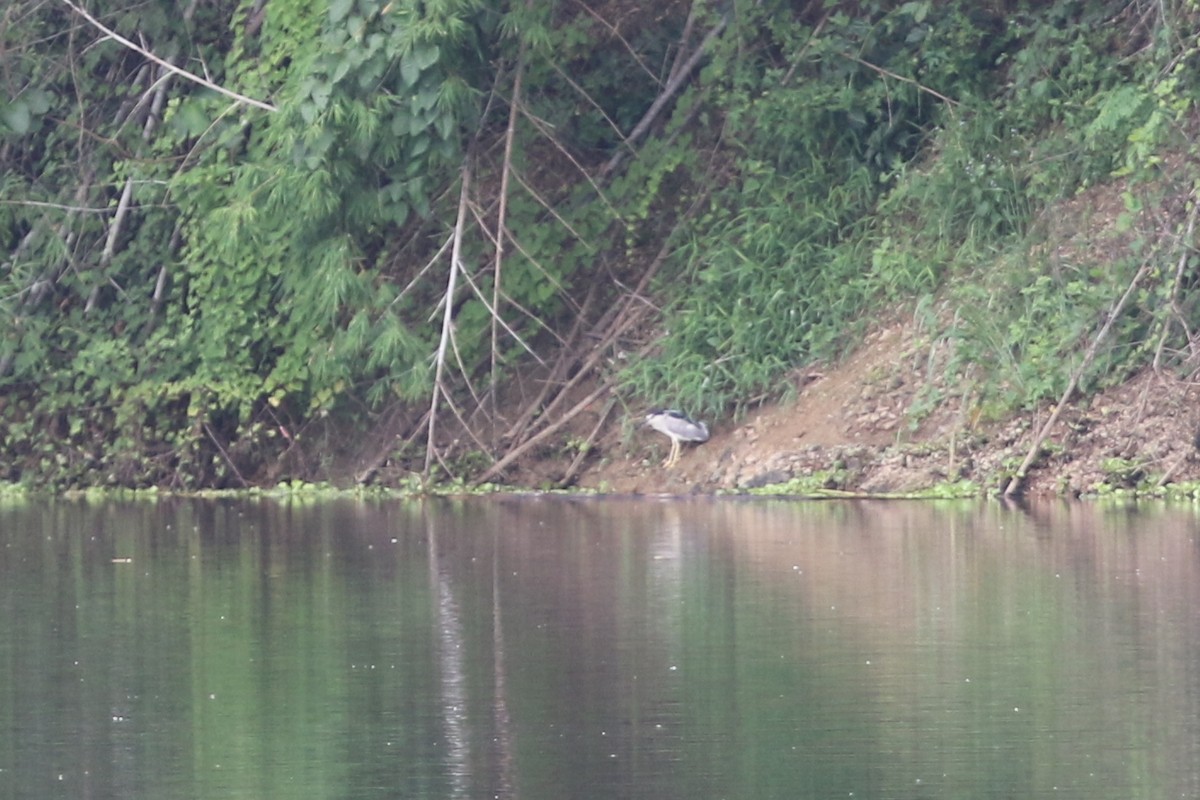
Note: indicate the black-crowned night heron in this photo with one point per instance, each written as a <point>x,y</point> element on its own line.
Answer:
<point>679,427</point>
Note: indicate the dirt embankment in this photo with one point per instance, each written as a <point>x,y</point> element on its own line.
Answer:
<point>869,425</point>
<point>885,419</point>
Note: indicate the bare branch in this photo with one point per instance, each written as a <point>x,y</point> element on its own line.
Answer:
<point>1016,483</point>
<point>496,316</point>
<point>591,102</point>
<point>547,130</point>
<point>59,206</point>
<point>517,452</point>
<point>225,455</point>
<point>566,359</point>
<point>502,218</point>
<point>888,73</point>
<point>613,30</point>
<point>601,418</point>
<point>162,63</point>
<point>684,38</point>
<point>1186,249</point>
<point>447,315</point>
<point>668,93</point>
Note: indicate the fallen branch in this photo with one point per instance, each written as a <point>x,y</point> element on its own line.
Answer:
<point>620,318</point>
<point>387,446</point>
<point>672,88</point>
<point>624,322</point>
<point>155,98</point>
<point>110,243</point>
<point>1016,483</point>
<point>517,452</point>
<point>616,34</point>
<point>225,455</point>
<point>565,360</point>
<point>502,227</point>
<point>447,317</point>
<point>1186,250</point>
<point>183,73</point>
<point>1169,475</point>
<point>569,476</point>
<point>889,74</point>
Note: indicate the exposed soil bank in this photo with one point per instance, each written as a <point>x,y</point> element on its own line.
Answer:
<point>855,426</point>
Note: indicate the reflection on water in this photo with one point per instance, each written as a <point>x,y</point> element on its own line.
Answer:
<point>553,648</point>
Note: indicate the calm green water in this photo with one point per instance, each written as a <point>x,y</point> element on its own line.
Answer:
<point>527,648</point>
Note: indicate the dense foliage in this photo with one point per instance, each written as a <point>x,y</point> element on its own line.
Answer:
<point>887,149</point>
<point>233,231</point>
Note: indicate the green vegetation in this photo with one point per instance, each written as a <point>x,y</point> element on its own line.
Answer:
<point>247,236</point>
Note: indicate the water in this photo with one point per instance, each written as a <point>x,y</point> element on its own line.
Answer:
<point>525,648</point>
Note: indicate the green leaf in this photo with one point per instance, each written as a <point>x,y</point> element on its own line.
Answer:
<point>190,119</point>
<point>16,117</point>
<point>338,9</point>
<point>425,56</point>
<point>410,71</point>
<point>38,100</point>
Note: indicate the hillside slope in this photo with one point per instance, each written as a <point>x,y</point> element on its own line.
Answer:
<point>852,425</point>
